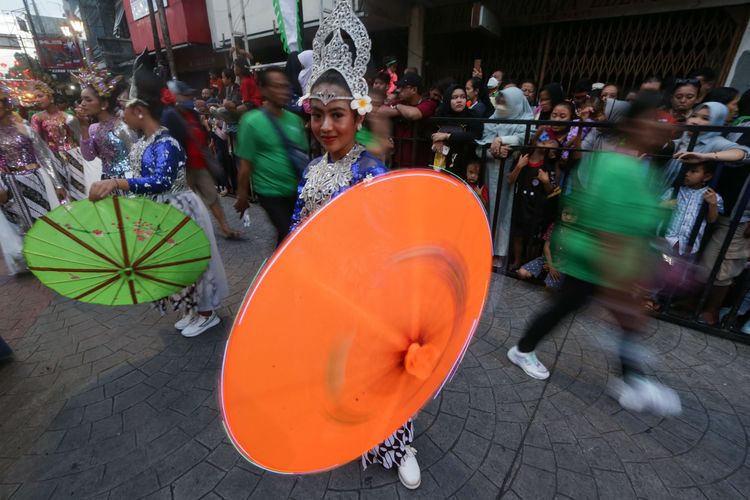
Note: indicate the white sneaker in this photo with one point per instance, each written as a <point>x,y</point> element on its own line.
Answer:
<point>408,471</point>
<point>200,325</point>
<point>529,363</point>
<point>640,394</point>
<point>185,321</point>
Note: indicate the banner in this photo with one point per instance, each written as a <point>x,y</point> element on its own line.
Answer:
<point>290,29</point>
<point>59,53</point>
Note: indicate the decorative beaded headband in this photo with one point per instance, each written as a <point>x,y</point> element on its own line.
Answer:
<point>100,80</point>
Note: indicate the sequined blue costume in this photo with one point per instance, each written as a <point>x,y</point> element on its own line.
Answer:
<point>161,168</point>
<point>322,180</point>
<point>158,165</point>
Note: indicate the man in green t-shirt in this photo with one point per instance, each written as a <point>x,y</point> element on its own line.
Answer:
<point>263,153</point>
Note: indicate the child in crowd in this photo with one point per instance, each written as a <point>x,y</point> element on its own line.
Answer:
<point>687,206</point>
<point>473,170</point>
<point>547,261</point>
<point>534,180</point>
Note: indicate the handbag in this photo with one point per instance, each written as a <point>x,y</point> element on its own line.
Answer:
<point>298,157</point>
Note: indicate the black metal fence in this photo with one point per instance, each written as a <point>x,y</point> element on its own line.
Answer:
<point>729,325</point>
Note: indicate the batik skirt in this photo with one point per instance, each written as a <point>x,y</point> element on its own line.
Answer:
<point>31,194</point>
<point>212,287</point>
<point>392,451</point>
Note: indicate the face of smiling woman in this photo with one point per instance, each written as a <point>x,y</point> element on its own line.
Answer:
<point>334,125</point>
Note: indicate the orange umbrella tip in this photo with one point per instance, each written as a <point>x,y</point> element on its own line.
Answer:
<point>420,360</point>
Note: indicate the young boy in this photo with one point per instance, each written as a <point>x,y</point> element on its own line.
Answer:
<point>687,207</point>
<point>473,169</point>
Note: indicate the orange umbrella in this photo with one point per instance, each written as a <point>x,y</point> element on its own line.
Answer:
<point>356,321</point>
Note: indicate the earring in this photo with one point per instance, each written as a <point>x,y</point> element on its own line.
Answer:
<point>359,126</point>
<point>140,116</point>
<point>104,109</point>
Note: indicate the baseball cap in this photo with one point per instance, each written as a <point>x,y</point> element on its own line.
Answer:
<point>180,88</point>
<point>410,79</point>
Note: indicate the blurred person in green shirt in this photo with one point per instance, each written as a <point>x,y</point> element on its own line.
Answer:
<point>264,154</point>
<point>605,252</point>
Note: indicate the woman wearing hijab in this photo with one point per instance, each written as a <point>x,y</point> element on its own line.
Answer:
<point>710,146</point>
<point>550,96</point>
<point>452,143</point>
<point>511,104</point>
<point>306,61</point>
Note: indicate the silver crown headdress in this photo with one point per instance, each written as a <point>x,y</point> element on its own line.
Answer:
<point>336,54</point>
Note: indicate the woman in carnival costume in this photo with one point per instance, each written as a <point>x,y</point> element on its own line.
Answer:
<point>338,99</point>
<point>62,134</point>
<point>29,184</point>
<point>109,138</point>
<point>157,170</point>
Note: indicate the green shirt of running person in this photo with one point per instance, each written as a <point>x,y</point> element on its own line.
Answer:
<point>603,239</point>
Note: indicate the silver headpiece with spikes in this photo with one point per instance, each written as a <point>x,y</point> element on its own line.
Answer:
<point>335,53</point>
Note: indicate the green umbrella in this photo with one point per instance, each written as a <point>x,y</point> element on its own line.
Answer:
<point>117,251</point>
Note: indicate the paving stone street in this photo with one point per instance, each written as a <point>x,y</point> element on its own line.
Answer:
<point>112,403</point>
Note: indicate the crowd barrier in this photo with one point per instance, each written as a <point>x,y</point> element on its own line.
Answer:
<point>728,327</point>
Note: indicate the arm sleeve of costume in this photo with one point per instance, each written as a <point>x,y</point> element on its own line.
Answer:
<point>127,136</point>
<point>168,158</point>
<point>88,146</point>
<point>36,124</point>
<point>74,127</point>
<point>45,159</point>
<point>297,214</point>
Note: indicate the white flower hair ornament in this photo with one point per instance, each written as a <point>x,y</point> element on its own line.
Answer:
<point>362,104</point>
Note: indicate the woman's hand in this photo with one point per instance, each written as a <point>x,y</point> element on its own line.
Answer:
<point>3,197</point>
<point>101,189</point>
<point>61,194</point>
<point>83,120</point>
<point>693,157</point>
<point>495,147</point>
<point>523,161</point>
<point>440,137</point>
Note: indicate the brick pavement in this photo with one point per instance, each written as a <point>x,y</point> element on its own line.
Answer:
<point>111,403</point>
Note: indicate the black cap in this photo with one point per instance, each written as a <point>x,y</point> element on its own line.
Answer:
<point>411,79</point>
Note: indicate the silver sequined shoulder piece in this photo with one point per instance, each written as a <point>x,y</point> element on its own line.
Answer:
<point>323,180</point>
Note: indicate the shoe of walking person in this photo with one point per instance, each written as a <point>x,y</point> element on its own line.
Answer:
<point>185,321</point>
<point>642,395</point>
<point>529,363</point>
<point>408,472</point>
<point>200,325</point>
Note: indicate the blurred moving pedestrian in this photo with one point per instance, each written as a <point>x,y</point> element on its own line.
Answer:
<point>271,143</point>
<point>184,124</point>
<point>603,256</point>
